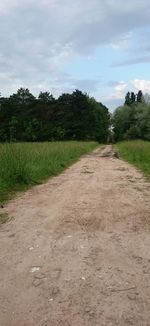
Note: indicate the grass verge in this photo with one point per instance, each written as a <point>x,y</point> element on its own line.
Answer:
<point>25,164</point>
<point>136,152</point>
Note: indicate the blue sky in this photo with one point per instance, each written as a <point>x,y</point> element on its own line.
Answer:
<point>101,47</point>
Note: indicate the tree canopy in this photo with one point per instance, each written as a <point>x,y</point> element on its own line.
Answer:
<point>76,116</point>
<point>132,120</point>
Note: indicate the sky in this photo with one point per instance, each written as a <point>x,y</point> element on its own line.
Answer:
<point>101,47</point>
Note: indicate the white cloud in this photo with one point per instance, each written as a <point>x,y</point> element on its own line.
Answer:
<point>39,38</point>
<point>121,87</point>
<point>141,84</point>
<point>117,92</point>
<point>115,95</point>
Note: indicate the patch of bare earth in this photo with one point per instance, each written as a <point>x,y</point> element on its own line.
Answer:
<point>77,249</point>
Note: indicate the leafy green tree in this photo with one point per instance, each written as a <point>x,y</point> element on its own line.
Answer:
<point>121,121</point>
<point>142,116</point>
<point>131,122</point>
<point>72,116</point>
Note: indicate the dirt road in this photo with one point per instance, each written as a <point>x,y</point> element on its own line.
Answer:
<point>77,250</point>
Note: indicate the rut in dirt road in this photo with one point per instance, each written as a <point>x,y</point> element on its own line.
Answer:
<point>76,251</point>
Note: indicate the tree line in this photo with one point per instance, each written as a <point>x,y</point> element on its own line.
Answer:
<point>132,120</point>
<point>132,98</point>
<point>76,116</point>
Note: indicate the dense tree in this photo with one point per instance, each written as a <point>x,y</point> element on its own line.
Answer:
<point>122,121</point>
<point>23,97</point>
<point>142,117</point>
<point>139,97</point>
<point>133,97</point>
<point>71,116</point>
<point>46,97</point>
<point>127,99</point>
<point>131,122</point>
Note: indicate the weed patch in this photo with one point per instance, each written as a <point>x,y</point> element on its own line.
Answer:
<point>25,164</point>
<point>137,153</point>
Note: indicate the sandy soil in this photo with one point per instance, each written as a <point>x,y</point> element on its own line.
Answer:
<point>77,250</point>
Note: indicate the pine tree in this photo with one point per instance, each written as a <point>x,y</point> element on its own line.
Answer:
<point>127,99</point>
<point>133,97</point>
<point>139,96</point>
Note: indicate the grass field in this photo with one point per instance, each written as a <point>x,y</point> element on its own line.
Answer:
<point>25,164</point>
<point>136,152</point>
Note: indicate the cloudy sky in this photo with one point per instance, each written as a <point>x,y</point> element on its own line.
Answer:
<point>99,46</point>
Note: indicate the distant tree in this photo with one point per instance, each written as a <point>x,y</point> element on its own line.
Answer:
<point>142,116</point>
<point>139,97</point>
<point>127,99</point>
<point>122,121</point>
<point>131,122</point>
<point>72,116</point>
<point>23,97</point>
<point>133,97</point>
<point>46,97</point>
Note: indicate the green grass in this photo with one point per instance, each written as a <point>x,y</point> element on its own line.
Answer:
<point>25,164</point>
<point>136,152</point>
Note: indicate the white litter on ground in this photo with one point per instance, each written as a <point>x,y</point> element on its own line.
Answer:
<point>34,269</point>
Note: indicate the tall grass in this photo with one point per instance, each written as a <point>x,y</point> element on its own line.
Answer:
<point>26,164</point>
<point>137,152</point>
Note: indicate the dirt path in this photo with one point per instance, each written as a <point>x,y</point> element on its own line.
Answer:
<point>77,251</point>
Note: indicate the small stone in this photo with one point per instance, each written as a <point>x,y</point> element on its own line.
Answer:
<point>146,270</point>
<point>87,309</point>
<point>55,291</point>
<point>40,276</point>
<point>4,310</point>
<point>131,296</point>
<point>91,313</point>
<point>50,300</point>
<point>37,282</point>
<point>12,235</point>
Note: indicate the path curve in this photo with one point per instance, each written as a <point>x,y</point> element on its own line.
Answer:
<point>77,250</point>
